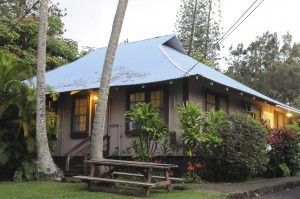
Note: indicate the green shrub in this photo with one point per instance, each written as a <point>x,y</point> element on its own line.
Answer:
<point>200,136</point>
<point>295,127</point>
<point>198,129</point>
<point>242,152</point>
<point>285,170</point>
<point>284,151</point>
<point>28,171</point>
<point>150,130</point>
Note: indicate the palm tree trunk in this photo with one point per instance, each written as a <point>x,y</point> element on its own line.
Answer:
<point>46,165</point>
<point>99,121</point>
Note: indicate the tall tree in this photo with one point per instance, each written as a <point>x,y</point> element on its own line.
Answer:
<point>100,115</point>
<point>45,162</point>
<point>269,64</point>
<point>19,34</point>
<point>198,28</point>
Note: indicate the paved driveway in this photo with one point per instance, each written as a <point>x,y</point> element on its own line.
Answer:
<point>287,194</point>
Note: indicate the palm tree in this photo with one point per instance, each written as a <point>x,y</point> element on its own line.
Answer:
<point>45,162</point>
<point>99,121</point>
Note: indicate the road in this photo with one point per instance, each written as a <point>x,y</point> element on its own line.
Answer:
<point>287,194</point>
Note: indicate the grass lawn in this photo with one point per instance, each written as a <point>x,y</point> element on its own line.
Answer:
<point>79,190</point>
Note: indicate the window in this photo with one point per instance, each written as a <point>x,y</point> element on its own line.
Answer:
<point>223,104</point>
<point>279,120</point>
<point>136,98</point>
<point>80,116</point>
<point>216,102</point>
<point>211,102</point>
<point>156,98</point>
<point>253,110</point>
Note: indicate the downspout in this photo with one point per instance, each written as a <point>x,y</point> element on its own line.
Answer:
<point>119,144</point>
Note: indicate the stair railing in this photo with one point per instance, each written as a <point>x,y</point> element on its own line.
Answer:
<point>84,148</point>
<point>79,148</point>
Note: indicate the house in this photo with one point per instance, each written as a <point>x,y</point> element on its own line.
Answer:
<point>154,70</point>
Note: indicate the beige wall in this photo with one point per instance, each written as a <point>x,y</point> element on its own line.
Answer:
<point>115,125</point>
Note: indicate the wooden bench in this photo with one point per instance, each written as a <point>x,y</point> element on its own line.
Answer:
<point>87,178</point>
<point>141,175</point>
<point>143,169</point>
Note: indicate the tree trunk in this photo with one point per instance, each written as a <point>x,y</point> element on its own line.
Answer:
<point>21,8</point>
<point>207,31</point>
<point>100,115</point>
<point>193,28</point>
<point>46,165</point>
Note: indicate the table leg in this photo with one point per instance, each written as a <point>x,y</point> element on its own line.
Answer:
<point>149,180</point>
<point>167,175</point>
<point>92,166</point>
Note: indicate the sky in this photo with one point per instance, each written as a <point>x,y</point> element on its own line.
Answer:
<point>89,21</point>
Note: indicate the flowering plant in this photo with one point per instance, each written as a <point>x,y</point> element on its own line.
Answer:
<point>192,170</point>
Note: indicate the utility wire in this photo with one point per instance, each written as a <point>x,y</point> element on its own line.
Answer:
<point>229,31</point>
<point>233,25</point>
<point>242,21</point>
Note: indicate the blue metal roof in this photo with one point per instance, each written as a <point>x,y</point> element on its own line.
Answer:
<point>152,60</point>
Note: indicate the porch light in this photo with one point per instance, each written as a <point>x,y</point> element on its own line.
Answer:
<point>241,93</point>
<point>197,77</point>
<point>227,89</point>
<point>211,83</point>
<point>95,97</point>
<point>289,115</point>
<point>74,92</point>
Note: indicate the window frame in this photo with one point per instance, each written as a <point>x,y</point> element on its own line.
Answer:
<point>276,120</point>
<point>218,96</point>
<point>164,109</point>
<point>80,134</point>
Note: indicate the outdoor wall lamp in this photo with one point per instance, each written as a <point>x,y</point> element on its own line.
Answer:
<point>95,97</point>
<point>289,115</point>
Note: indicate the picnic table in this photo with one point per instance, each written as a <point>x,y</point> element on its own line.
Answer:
<point>142,169</point>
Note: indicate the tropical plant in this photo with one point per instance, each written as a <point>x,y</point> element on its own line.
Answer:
<point>295,126</point>
<point>150,130</point>
<point>17,124</point>
<point>192,173</point>
<point>28,171</point>
<point>284,152</point>
<point>198,128</point>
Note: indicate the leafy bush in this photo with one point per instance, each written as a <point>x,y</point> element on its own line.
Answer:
<point>242,152</point>
<point>198,128</point>
<point>150,130</point>
<point>28,171</point>
<point>199,135</point>
<point>284,150</point>
<point>295,127</point>
<point>285,170</point>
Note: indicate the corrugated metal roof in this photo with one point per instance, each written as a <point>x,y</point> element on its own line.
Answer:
<point>158,59</point>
